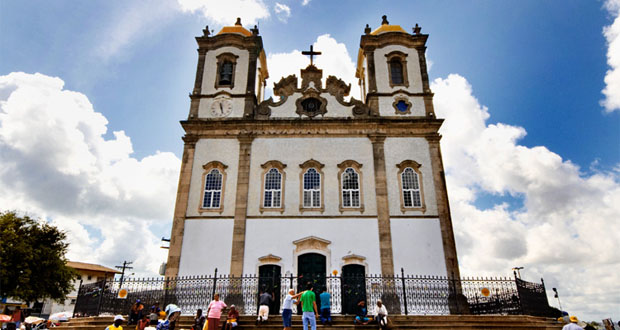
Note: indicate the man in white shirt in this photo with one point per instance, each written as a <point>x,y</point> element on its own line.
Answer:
<point>287,308</point>
<point>381,314</point>
<point>573,324</point>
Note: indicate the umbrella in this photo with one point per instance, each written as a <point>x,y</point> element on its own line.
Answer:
<point>33,320</point>
<point>5,318</point>
<point>61,316</point>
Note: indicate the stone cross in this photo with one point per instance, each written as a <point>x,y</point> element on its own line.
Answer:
<point>311,53</point>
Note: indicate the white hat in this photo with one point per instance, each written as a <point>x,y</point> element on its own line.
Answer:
<point>119,317</point>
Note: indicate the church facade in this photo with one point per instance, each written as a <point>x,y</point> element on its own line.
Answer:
<point>313,182</point>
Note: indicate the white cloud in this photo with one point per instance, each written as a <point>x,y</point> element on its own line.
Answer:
<point>305,2</point>
<point>226,12</point>
<point>56,164</point>
<point>283,12</point>
<point>612,77</point>
<point>335,60</point>
<point>568,227</point>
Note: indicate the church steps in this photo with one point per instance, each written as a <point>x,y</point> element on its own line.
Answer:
<point>346,322</point>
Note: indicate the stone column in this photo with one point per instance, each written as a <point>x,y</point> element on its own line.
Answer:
<point>180,208</point>
<point>443,207</point>
<point>383,207</point>
<point>241,205</point>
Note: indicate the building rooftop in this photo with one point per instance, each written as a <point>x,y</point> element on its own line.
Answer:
<point>237,28</point>
<point>92,267</point>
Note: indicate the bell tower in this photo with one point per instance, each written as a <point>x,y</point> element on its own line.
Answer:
<point>392,72</point>
<point>231,73</point>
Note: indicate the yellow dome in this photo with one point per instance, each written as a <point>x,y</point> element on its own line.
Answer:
<point>387,28</point>
<point>237,28</point>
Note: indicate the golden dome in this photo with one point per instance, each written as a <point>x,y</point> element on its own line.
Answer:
<point>386,27</point>
<point>237,29</point>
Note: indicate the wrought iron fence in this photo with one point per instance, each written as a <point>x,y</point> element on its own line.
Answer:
<point>401,294</point>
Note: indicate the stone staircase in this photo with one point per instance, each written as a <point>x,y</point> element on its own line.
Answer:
<point>435,322</point>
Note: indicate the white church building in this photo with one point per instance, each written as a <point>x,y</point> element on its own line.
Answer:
<point>312,183</point>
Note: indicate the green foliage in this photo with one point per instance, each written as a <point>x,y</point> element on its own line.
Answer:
<point>32,260</point>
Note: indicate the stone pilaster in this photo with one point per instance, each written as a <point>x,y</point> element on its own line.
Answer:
<point>241,205</point>
<point>428,98</point>
<point>443,207</point>
<point>250,99</point>
<point>372,100</point>
<point>180,208</point>
<point>383,207</point>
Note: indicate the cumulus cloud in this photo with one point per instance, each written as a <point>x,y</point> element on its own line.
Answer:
<point>226,12</point>
<point>305,2</point>
<point>612,77</point>
<point>568,226</point>
<point>283,12</point>
<point>58,165</point>
<point>335,60</point>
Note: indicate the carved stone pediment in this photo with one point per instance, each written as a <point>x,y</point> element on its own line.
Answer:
<point>353,259</point>
<point>311,103</point>
<point>269,259</point>
<point>311,243</point>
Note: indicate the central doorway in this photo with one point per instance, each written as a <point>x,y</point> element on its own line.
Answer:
<point>311,267</point>
<point>269,281</point>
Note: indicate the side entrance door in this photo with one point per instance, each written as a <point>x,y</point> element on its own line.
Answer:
<point>311,267</point>
<point>353,287</point>
<point>269,281</point>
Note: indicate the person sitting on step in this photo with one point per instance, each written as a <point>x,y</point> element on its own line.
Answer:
<point>381,314</point>
<point>361,313</point>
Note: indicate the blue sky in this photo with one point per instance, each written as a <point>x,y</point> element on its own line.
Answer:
<point>526,75</point>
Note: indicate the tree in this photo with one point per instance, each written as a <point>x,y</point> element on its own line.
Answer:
<point>32,259</point>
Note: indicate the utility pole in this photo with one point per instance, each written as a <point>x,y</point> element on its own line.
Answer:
<point>558,297</point>
<point>123,268</point>
<point>518,270</point>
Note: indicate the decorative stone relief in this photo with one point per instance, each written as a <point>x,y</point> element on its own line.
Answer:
<point>311,243</point>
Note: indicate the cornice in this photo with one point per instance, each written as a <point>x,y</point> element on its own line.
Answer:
<point>390,127</point>
<point>370,42</point>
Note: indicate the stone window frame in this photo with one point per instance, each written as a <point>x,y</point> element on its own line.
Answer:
<point>272,164</point>
<point>415,166</point>
<point>407,102</point>
<point>357,167</point>
<point>221,58</point>
<point>207,169</point>
<point>402,58</point>
<point>319,169</point>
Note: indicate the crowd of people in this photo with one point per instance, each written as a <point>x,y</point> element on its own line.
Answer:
<point>167,319</point>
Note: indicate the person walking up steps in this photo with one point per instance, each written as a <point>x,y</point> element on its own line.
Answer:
<point>287,308</point>
<point>308,306</point>
<point>326,304</point>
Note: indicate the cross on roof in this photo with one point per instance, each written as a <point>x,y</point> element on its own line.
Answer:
<point>311,53</point>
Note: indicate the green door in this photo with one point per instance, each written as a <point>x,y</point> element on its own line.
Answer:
<point>311,267</point>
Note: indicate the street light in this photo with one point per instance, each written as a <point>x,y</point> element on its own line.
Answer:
<point>557,296</point>
<point>518,270</point>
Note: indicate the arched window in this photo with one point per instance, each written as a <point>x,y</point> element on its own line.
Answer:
<point>411,188</point>
<point>350,188</point>
<point>272,198</point>
<point>213,190</point>
<point>396,71</point>
<point>312,188</point>
<point>273,189</point>
<point>397,68</point>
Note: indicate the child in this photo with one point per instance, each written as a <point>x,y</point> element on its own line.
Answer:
<point>199,320</point>
<point>231,320</point>
<point>118,320</point>
<point>143,323</point>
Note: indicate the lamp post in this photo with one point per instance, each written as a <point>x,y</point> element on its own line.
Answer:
<point>557,296</point>
<point>518,270</point>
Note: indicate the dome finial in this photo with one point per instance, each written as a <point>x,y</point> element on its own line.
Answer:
<point>238,21</point>
<point>385,21</point>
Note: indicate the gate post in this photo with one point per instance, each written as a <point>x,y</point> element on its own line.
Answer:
<point>101,293</point>
<point>214,281</point>
<point>77,299</point>
<point>402,278</point>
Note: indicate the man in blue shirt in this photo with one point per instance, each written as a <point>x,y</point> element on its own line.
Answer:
<point>326,313</point>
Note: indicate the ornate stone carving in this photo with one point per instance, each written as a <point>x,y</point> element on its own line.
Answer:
<point>286,86</point>
<point>311,243</point>
<point>337,87</point>
<point>311,104</point>
<point>269,259</point>
<point>311,74</point>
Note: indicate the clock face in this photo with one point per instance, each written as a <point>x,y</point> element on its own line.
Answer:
<point>221,106</point>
